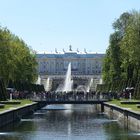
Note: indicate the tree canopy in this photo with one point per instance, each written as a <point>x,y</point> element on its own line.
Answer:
<point>17,62</point>
<point>122,59</point>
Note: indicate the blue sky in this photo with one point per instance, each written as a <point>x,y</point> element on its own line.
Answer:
<point>49,24</point>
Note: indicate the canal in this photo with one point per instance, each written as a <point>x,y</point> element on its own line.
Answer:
<point>67,122</point>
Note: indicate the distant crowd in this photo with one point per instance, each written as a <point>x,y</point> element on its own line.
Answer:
<point>73,95</point>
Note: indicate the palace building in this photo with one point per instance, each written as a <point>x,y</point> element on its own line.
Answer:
<point>84,67</point>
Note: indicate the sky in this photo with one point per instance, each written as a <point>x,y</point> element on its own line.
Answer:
<point>48,24</point>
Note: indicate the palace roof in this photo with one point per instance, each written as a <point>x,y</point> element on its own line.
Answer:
<point>70,54</point>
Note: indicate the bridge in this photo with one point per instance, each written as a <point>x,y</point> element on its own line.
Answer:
<point>72,102</point>
<point>72,98</point>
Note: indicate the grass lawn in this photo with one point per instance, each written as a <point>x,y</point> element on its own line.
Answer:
<point>132,107</point>
<point>23,102</point>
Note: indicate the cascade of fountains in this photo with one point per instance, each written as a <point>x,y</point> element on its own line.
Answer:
<point>82,88</point>
<point>90,84</point>
<point>38,80</point>
<point>68,82</point>
<point>101,81</point>
<point>59,88</point>
<point>47,84</point>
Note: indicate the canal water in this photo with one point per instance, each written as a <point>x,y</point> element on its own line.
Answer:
<point>67,122</point>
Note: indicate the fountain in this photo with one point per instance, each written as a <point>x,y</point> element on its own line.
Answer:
<point>11,97</point>
<point>101,81</point>
<point>81,88</point>
<point>38,80</point>
<point>47,84</point>
<point>90,84</point>
<point>59,88</point>
<point>68,82</point>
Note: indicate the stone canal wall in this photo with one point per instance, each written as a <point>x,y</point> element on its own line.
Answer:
<point>15,114</point>
<point>126,117</point>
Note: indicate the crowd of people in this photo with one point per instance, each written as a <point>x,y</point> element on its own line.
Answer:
<point>67,96</point>
<point>14,94</point>
<point>72,95</point>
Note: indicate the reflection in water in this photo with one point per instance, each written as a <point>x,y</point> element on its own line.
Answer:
<point>67,122</point>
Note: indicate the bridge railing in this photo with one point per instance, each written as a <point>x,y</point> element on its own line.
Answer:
<point>68,97</point>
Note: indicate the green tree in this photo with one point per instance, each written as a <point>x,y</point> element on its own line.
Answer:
<point>112,67</point>
<point>130,47</point>
<point>17,62</point>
